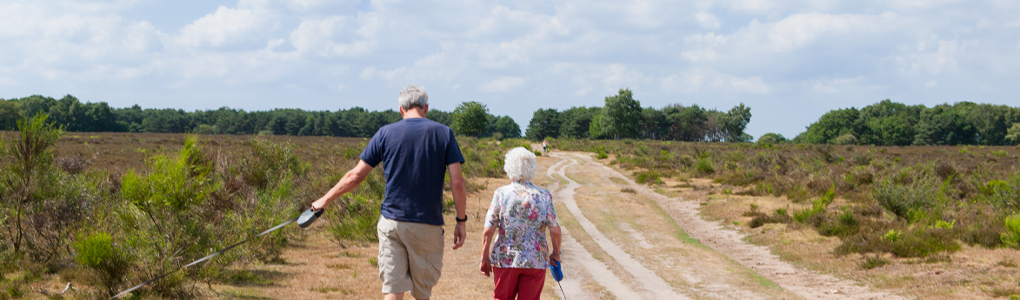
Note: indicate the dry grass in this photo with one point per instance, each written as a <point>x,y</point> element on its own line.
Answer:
<point>791,176</point>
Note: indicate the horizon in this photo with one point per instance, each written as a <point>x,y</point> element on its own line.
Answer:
<point>790,63</point>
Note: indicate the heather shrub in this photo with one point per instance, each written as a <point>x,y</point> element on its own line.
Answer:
<point>915,196</point>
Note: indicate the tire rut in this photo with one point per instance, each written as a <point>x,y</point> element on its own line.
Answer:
<point>651,285</point>
<point>804,283</point>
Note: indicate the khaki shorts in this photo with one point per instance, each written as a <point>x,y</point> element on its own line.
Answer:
<point>410,257</point>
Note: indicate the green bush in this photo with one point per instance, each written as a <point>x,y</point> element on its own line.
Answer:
<point>846,139</point>
<point>651,176</point>
<point>1004,195</point>
<point>98,253</point>
<point>871,262</point>
<point>704,166</point>
<point>817,207</point>
<point>356,223</point>
<point>30,177</point>
<point>166,220</point>
<point>1011,237</point>
<point>916,198</point>
<point>268,162</point>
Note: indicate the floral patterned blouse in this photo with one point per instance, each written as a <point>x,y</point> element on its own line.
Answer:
<point>522,211</point>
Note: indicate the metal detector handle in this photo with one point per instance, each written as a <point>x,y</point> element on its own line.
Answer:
<point>308,217</point>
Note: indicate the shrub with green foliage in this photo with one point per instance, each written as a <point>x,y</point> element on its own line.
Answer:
<point>167,221</point>
<point>704,166</point>
<point>1011,237</point>
<point>97,252</point>
<point>818,206</point>
<point>915,196</point>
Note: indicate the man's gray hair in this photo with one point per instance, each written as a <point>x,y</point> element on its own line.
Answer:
<point>413,96</point>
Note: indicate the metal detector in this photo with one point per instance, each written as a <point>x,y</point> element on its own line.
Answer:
<point>304,220</point>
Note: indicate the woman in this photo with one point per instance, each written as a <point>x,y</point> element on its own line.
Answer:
<point>521,212</point>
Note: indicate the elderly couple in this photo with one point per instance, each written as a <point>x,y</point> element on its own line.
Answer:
<point>416,153</point>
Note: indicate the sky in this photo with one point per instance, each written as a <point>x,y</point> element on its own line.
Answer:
<point>790,61</point>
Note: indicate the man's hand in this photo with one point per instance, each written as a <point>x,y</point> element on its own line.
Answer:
<point>485,268</point>
<point>319,204</point>
<point>459,234</point>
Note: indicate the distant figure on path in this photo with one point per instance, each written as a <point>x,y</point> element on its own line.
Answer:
<point>521,211</point>
<point>416,153</point>
<point>545,146</point>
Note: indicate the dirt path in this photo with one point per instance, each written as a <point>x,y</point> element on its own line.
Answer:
<point>616,245</point>
<point>652,286</point>
<point>803,283</point>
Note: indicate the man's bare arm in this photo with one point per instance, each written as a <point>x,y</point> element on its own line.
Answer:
<point>459,190</point>
<point>459,201</point>
<point>351,180</point>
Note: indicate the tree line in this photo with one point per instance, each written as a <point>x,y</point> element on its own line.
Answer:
<point>884,123</point>
<point>469,118</point>
<point>623,117</point>
<point>888,123</point>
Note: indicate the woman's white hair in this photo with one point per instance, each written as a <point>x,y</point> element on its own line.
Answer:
<point>520,164</point>
<point>413,96</point>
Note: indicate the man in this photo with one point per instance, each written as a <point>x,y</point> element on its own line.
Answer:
<point>415,153</point>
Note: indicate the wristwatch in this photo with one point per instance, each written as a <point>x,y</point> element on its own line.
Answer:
<point>459,220</point>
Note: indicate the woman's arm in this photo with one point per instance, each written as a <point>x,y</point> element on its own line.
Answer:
<point>485,267</point>
<point>557,238</point>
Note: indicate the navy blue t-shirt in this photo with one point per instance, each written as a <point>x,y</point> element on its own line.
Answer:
<point>414,153</point>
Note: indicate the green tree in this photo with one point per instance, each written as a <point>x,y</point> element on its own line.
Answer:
<point>576,121</point>
<point>596,130</point>
<point>1013,134</point>
<point>653,124</point>
<point>9,115</point>
<point>734,123</point>
<point>686,123</point>
<point>941,125</point>
<point>621,115</point>
<point>773,138</point>
<point>888,123</point>
<point>833,124</point>
<point>544,123</point>
<point>470,118</point>
<point>506,127</point>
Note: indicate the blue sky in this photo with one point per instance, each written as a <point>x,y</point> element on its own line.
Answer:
<point>790,61</point>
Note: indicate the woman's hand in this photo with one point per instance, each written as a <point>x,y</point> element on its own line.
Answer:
<point>485,268</point>
<point>553,258</point>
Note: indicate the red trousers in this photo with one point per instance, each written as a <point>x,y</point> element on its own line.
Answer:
<point>515,283</point>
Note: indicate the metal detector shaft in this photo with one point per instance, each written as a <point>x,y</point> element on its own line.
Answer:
<point>200,260</point>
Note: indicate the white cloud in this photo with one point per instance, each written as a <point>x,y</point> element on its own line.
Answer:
<point>708,20</point>
<point>337,35</point>
<point>503,84</point>
<point>558,54</point>
<point>222,27</point>
<point>706,80</point>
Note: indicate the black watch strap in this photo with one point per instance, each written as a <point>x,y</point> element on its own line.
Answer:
<point>460,220</point>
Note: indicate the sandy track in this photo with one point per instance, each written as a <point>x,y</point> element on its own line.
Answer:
<point>652,286</point>
<point>804,283</point>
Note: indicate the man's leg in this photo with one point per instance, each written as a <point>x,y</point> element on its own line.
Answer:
<point>392,260</point>
<point>424,244</point>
